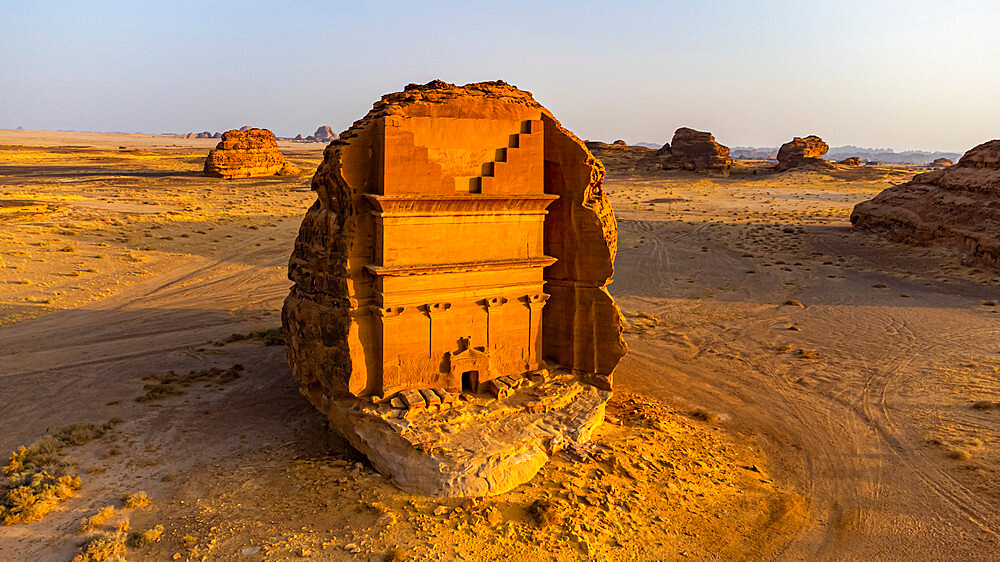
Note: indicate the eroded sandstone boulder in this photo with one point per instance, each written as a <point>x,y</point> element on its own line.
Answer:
<point>694,150</point>
<point>803,152</point>
<point>850,161</point>
<point>244,154</point>
<point>941,162</point>
<point>449,312</point>
<point>956,207</point>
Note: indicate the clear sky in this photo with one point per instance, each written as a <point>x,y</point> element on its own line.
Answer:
<point>921,75</point>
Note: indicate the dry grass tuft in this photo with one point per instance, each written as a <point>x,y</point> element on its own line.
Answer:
<point>106,547</point>
<point>149,536</point>
<point>705,415</point>
<point>273,336</point>
<point>92,523</point>
<point>38,477</point>
<point>137,500</point>
<point>171,384</point>
<point>983,405</point>
<point>793,302</point>
<point>959,454</point>
<point>807,354</point>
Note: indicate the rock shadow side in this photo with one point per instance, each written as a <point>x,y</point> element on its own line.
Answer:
<point>957,207</point>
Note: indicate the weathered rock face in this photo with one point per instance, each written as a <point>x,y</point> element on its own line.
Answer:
<point>956,207</point>
<point>941,162</point>
<point>851,161</point>
<point>694,150</point>
<point>803,153</point>
<point>460,243</point>
<point>244,154</point>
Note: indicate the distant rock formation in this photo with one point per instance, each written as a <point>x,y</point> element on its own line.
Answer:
<point>246,128</point>
<point>852,161</point>
<point>941,162</point>
<point>621,158</point>
<point>244,154</point>
<point>205,135</point>
<point>217,135</point>
<point>956,207</point>
<point>694,150</point>
<point>325,134</point>
<point>802,152</point>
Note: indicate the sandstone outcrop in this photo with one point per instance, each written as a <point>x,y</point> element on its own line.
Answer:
<point>694,150</point>
<point>244,154</point>
<point>449,312</point>
<point>851,161</point>
<point>620,158</point>
<point>803,152</point>
<point>956,207</point>
<point>941,162</point>
<point>325,134</point>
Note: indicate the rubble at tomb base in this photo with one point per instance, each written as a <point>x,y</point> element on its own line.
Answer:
<point>247,153</point>
<point>956,207</point>
<point>460,245</point>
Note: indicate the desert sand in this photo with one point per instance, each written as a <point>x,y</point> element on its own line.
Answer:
<point>793,388</point>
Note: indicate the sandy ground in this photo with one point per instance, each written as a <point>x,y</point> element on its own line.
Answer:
<point>840,427</point>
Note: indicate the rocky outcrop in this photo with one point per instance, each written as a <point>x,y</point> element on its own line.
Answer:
<point>244,154</point>
<point>693,150</point>
<point>941,163</point>
<point>851,161</point>
<point>803,152</point>
<point>324,134</point>
<point>446,153</point>
<point>621,158</point>
<point>956,207</point>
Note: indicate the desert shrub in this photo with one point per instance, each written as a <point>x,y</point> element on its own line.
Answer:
<point>92,523</point>
<point>139,540</point>
<point>36,478</point>
<point>136,501</point>
<point>106,547</point>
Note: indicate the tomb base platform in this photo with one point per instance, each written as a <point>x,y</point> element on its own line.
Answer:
<point>473,445</point>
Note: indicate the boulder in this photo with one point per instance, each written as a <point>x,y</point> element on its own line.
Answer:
<point>851,161</point>
<point>694,150</point>
<point>203,135</point>
<point>803,152</point>
<point>244,154</point>
<point>941,163</point>
<point>956,207</point>
<point>390,318</point>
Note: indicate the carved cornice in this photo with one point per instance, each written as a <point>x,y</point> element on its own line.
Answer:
<point>457,205</point>
<point>423,269</point>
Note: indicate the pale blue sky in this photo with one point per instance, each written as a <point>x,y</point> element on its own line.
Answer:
<point>923,75</point>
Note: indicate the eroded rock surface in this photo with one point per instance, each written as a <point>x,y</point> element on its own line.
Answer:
<point>850,161</point>
<point>941,162</point>
<point>803,152</point>
<point>694,150</point>
<point>460,243</point>
<point>956,207</point>
<point>247,153</point>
